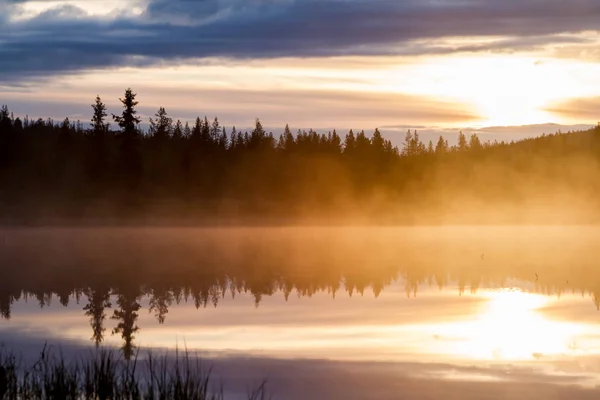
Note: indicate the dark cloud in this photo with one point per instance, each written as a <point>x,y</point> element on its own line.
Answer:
<point>66,39</point>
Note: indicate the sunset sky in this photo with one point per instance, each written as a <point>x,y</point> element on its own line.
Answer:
<point>311,63</point>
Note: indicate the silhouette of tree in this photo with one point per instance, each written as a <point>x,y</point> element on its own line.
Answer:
<point>198,174</point>
<point>475,143</point>
<point>442,146</point>
<point>129,164</point>
<point>7,138</point>
<point>97,152</point>
<point>349,144</point>
<point>162,126</point>
<point>408,148</point>
<point>430,149</point>
<point>462,142</point>
<point>99,125</point>
<point>128,121</point>
<point>178,130</point>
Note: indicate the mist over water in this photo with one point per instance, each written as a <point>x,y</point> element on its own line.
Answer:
<point>369,306</point>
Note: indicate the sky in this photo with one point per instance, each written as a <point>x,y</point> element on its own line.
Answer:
<point>424,64</point>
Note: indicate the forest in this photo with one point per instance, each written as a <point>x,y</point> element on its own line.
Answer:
<point>109,170</point>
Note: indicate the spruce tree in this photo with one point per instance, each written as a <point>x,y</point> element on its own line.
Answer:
<point>462,141</point>
<point>7,138</point>
<point>442,146</point>
<point>178,130</point>
<point>99,127</point>
<point>97,152</point>
<point>128,121</point>
<point>161,127</point>
<point>129,163</point>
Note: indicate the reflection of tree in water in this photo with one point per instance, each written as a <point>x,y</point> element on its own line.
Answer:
<point>160,301</point>
<point>126,314</point>
<point>174,268</point>
<point>5,303</point>
<point>8,294</point>
<point>98,301</point>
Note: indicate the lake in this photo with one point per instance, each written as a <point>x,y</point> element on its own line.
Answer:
<point>354,313</point>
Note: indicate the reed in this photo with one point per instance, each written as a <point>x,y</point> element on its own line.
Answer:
<point>104,374</point>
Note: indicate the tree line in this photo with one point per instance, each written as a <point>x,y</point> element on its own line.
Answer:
<point>204,171</point>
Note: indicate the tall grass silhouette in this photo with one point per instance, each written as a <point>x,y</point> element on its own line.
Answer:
<point>105,375</point>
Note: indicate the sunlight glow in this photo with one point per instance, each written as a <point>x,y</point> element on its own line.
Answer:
<point>508,325</point>
<point>510,328</point>
<point>456,91</point>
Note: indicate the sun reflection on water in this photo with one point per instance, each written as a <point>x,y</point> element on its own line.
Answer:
<point>510,327</point>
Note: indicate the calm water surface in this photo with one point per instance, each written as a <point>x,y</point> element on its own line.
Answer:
<point>324,313</point>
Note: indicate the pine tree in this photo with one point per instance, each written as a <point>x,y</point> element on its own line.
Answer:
<point>363,145</point>
<point>288,139</point>
<point>462,142</point>
<point>215,130</point>
<point>7,138</point>
<point>442,146</point>
<point>205,131</point>
<point>18,126</point>
<point>223,139</point>
<point>127,121</point>
<point>336,143</point>
<point>99,126</point>
<point>258,135</point>
<point>418,147</point>
<point>161,127</point>
<point>178,130</point>
<point>65,139</point>
<point>474,142</point>
<point>97,152</point>
<point>349,143</point>
<point>197,129</point>
<point>408,146</point>
<point>233,139</point>
<point>377,141</point>
<point>129,163</point>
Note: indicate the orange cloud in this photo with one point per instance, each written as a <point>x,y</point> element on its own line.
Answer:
<point>585,109</point>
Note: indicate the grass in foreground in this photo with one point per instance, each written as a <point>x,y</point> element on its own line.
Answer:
<point>106,375</point>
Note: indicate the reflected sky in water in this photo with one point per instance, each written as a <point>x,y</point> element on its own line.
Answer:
<point>470,322</point>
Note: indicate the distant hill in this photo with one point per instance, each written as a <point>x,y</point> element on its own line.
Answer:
<point>507,133</point>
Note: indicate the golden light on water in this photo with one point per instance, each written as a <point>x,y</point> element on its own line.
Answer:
<point>506,325</point>
<point>510,327</point>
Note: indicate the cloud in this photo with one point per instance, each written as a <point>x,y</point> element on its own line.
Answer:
<point>310,108</point>
<point>65,38</point>
<point>578,108</point>
<point>582,52</point>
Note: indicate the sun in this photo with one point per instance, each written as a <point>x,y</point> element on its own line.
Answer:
<point>502,90</point>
